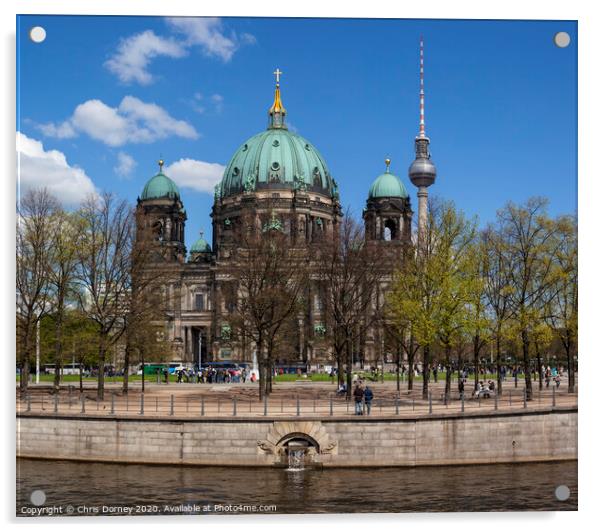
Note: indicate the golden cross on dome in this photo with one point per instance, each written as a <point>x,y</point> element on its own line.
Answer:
<point>277,73</point>
<point>161,163</point>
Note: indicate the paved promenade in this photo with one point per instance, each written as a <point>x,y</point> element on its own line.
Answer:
<point>301,398</point>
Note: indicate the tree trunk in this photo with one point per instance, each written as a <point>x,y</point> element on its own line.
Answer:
<point>447,370</point>
<point>426,370</point>
<point>270,375</point>
<point>498,363</point>
<point>349,369</point>
<point>102,352</point>
<point>262,373</point>
<point>142,354</point>
<point>81,378</point>
<point>25,357</point>
<point>527,372</point>
<point>57,376</point>
<point>477,371</point>
<point>475,356</point>
<point>399,357</point>
<point>410,352</point>
<point>569,363</point>
<point>126,365</point>
<point>539,368</point>
<point>58,354</point>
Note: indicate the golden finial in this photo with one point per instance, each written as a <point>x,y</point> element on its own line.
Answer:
<point>388,163</point>
<point>277,107</point>
<point>161,163</point>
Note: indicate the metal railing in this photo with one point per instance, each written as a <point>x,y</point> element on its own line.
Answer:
<point>175,405</point>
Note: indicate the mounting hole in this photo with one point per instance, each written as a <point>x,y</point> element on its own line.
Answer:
<point>37,497</point>
<point>562,39</point>
<point>37,34</point>
<point>562,492</point>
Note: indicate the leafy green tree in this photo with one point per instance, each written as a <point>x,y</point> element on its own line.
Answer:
<point>497,287</point>
<point>453,261</point>
<point>530,245</point>
<point>563,305</point>
<point>430,292</point>
<point>63,263</point>
<point>478,315</point>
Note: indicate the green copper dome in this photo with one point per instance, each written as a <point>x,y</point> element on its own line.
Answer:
<point>200,246</point>
<point>276,159</point>
<point>387,185</point>
<point>160,186</point>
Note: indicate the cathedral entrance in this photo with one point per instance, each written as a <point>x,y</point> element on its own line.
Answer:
<point>196,344</point>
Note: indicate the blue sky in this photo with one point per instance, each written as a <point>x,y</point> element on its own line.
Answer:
<point>103,97</point>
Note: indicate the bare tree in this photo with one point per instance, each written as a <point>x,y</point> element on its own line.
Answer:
<point>146,301</point>
<point>350,272</point>
<point>104,268</point>
<point>269,275</point>
<point>33,238</point>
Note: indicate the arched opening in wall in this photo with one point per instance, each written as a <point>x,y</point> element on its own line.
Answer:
<point>297,450</point>
<point>158,230</point>
<point>390,230</point>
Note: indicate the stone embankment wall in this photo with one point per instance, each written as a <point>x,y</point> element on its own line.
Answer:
<point>329,442</point>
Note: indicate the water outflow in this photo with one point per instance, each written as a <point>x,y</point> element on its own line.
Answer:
<point>296,459</point>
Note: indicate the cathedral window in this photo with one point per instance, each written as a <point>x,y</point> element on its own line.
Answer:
<point>199,302</point>
<point>390,230</point>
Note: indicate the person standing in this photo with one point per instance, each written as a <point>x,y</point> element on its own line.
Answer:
<point>368,396</point>
<point>358,395</point>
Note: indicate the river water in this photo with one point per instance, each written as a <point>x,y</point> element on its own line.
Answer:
<point>80,488</point>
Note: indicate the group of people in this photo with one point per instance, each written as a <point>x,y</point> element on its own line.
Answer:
<point>362,396</point>
<point>212,375</point>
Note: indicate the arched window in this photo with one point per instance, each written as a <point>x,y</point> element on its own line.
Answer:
<point>390,232</point>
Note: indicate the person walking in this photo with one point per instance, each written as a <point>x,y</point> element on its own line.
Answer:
<point>368,396</point>
<point>461,387</point>
<point>358,395</point>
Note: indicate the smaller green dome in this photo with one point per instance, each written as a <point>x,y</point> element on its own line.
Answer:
<point>200,246</point>
<point>160,186</point>
<point>387,185</point>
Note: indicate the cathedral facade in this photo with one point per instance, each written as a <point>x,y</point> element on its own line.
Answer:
<point>280,178</point>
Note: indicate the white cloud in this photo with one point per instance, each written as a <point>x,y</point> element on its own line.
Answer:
<point>207,33</point>
<point>197,175</point>
<point>62,131</point>
<point>132,58</point>
<point>130,61</point>
<point>133,121</point>
<point>218,102</point>
<point>39,168</point>
<point>125,164</point>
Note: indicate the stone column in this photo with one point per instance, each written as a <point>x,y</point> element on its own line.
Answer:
<point>188,344</point>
